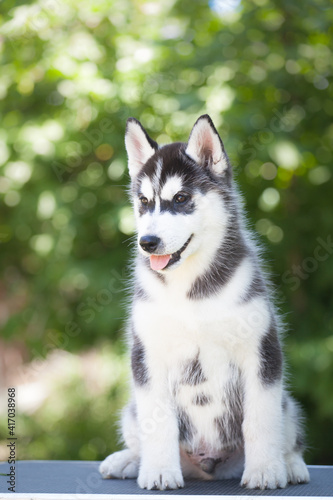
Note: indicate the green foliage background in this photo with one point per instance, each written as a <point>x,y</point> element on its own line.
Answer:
<point>71,74</point>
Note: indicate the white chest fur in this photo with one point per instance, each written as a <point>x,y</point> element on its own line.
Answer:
<point>169,322</point>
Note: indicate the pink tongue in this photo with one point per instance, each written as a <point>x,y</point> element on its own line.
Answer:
<point>158,262</point>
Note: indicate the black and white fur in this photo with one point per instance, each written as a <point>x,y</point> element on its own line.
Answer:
<point>208,398</point>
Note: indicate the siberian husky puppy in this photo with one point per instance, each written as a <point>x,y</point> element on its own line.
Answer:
<point>208,398</point>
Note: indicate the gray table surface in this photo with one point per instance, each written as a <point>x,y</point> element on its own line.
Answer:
<point>78,479</point>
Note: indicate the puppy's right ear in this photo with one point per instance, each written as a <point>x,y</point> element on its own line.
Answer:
<point>139,146</point>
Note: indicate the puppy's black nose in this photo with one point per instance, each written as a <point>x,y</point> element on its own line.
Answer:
<point>149,243</point>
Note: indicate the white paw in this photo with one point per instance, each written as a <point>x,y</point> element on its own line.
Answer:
<point>122,464</point>
<point>152,478</point>
<point>296,470</point>
<point>269,476</point>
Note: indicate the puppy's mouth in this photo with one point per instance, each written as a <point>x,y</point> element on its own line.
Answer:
<point>159,262</point>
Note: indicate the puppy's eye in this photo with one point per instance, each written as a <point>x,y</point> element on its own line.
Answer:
<point>181,198</point>
<point>143,200</point>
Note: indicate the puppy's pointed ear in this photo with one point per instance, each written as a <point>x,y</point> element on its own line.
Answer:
<point>205,146</point>
<point>139,146</point>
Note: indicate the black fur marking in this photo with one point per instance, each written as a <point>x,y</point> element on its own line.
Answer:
<point>174,208</point>
<point>228,257</point>
<point>300,442</point>
<point>192,373</point>
<point>185,426</point>
<point>140,293</point>
<point>176,256</point>
<point>132,409</point>
<point>230,423</point>
<point>270,356</point>
<point>159,276</point>
<point>256,288</point>
<point>201,399</point>
<point>138,362</point>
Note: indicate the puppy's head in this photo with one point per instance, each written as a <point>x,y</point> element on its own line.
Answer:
<point>176,191</point>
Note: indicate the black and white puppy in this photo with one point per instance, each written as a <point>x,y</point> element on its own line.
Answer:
<point>208,397</point>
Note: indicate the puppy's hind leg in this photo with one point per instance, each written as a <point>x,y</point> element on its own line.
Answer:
<point>294,445</point>
<point>120,465</point>
<point>232,468</point>
<point>124,464</point>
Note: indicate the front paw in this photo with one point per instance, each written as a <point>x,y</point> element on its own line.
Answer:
<point>268,476</point>
<point>160,478</point>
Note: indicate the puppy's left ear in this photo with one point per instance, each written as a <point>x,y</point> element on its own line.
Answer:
<point>139,146</point>
<point>205,146</point>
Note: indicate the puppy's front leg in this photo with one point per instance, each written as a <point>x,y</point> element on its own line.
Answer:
<point>159,443</point>
<point>263,422</point>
